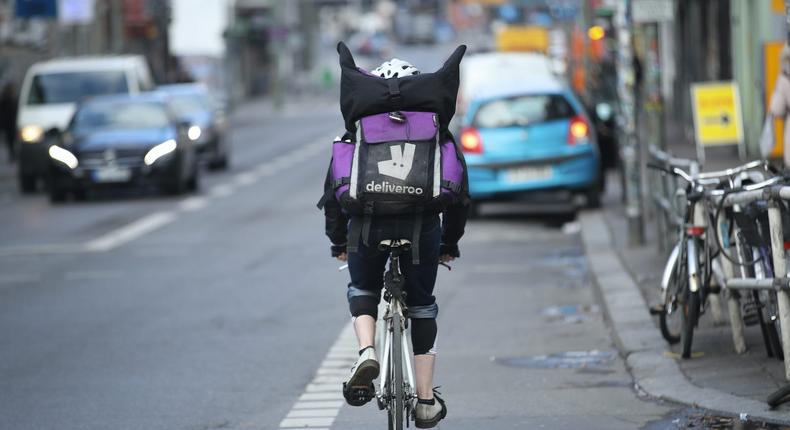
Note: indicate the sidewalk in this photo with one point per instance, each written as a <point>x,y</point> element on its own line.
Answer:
<point>628,278</point>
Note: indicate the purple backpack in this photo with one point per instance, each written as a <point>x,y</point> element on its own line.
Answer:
<point>396,165</point>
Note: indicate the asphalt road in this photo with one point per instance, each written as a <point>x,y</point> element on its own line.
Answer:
<point>217,310</point>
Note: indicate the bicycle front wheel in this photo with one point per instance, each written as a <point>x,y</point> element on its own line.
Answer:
<point>397,401</point>
<point>689,316</point>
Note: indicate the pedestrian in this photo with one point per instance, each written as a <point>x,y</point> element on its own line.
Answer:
<point>396,118</point>
<point>8,114</point>
<point>780,105</point>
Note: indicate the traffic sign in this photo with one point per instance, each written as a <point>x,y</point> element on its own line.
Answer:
<point>717,114</point>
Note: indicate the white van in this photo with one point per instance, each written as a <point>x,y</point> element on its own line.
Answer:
<point>50,93</point>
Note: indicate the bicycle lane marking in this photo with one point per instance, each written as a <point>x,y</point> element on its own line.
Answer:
<point>319,404</point>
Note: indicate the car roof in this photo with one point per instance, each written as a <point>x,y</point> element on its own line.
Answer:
<point>187,88</point>
<point>531,85</point>
<point>88,63</point>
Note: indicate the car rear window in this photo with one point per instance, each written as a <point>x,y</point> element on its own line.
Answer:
<point>71,87</point>
<point>136,115</point>
<point>523,110</point>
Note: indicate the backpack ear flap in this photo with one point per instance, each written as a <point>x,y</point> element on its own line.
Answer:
<point>453,62</point>
<point>346,59</point>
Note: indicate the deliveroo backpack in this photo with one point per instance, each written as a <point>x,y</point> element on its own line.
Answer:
<point>397,157</point>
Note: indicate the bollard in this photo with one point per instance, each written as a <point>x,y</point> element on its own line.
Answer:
<point>780,270</point>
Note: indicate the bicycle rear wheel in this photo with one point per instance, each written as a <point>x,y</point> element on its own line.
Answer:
<point>397,401</point>
<point>689,315</point>
<point>669,320</point>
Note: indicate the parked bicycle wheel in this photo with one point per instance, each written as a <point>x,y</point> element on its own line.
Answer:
<point>669,320</point>
<point>779,396</point>
<point>689,317</point>
<point>396,404</point>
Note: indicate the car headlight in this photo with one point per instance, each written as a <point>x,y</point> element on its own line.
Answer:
<point>64,156</point>
<point>159,151</point>
<point>194,133</point>
<point>31,133</point>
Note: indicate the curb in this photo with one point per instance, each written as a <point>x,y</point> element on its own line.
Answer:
<point>638,339</point>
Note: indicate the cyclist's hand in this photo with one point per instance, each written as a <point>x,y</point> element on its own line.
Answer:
<point>446,258</point>
<point>339,252</point>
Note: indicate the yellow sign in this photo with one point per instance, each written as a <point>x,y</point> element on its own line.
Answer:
<point>530,38</point>
<point>778,6</point>
<point>717,113</point>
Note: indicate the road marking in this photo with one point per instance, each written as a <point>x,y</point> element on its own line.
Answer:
<point>322,399</point>
<point>92,275</point>
<point>32,250</point>
<point>19,278</point>
<point>193,203</point>
<point>222,190</point>
<point>246,178</point>
<point>130,232</point>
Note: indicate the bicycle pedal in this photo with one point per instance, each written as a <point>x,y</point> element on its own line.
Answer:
<point>358,396</point>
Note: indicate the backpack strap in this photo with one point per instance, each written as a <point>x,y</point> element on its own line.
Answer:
<point>452,186</point>
<point>360,229</point>
<point>339,182</point>
<point>394,90</point>
<point>415,237</point>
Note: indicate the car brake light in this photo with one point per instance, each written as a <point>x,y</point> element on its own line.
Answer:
<point>578,130</point>
<point>471,141</point>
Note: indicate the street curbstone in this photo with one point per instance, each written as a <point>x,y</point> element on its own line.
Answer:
<point>638,339</point>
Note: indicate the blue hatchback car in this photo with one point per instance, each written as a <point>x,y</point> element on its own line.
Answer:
<point>531,141</point>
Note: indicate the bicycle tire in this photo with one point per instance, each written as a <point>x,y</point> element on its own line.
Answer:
<point>397,401</point>
<point>779,396</point>
<point>689,316</point>
<point>671,296</point>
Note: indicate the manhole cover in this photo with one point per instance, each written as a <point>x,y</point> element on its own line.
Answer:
<point>562,360</point>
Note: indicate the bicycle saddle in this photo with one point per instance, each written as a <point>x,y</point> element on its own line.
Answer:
<point>401,244</point>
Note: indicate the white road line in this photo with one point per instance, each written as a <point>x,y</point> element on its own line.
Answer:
<point>130,232</point>
<point>322,399</point>
<point>29,250</point>
<point>246,178</point>
<point>92,275</point>
<point>193,203</point>
<point>221,190</point>
<point>19,278</point>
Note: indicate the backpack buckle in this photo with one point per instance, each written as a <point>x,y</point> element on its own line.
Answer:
<point>397,116</point>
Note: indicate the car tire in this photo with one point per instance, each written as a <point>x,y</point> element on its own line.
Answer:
<point>193,183</point>
<point>80,194</point>
<point>27,183</point>
<point>57,195</point>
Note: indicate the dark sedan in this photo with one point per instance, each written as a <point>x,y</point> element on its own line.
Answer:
<point>193,103</point>
<point>123,141</point>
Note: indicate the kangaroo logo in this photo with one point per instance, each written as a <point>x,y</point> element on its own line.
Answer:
<point>400,164</point>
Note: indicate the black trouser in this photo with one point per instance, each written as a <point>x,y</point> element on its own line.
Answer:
<point>367,266</point>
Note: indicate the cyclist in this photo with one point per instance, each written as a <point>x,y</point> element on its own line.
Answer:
<point>438,242</point>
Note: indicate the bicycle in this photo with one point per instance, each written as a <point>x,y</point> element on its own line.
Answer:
<point>396,392</point>
<point>686,279</point>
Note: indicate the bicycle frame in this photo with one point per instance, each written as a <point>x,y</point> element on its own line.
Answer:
<point>395,309</point>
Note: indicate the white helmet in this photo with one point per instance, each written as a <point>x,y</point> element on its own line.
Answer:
<point>395,68</point>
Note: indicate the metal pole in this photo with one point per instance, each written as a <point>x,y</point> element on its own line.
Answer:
<point>780,271</point>
<point>787,18</point>
<point>626,83</point>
